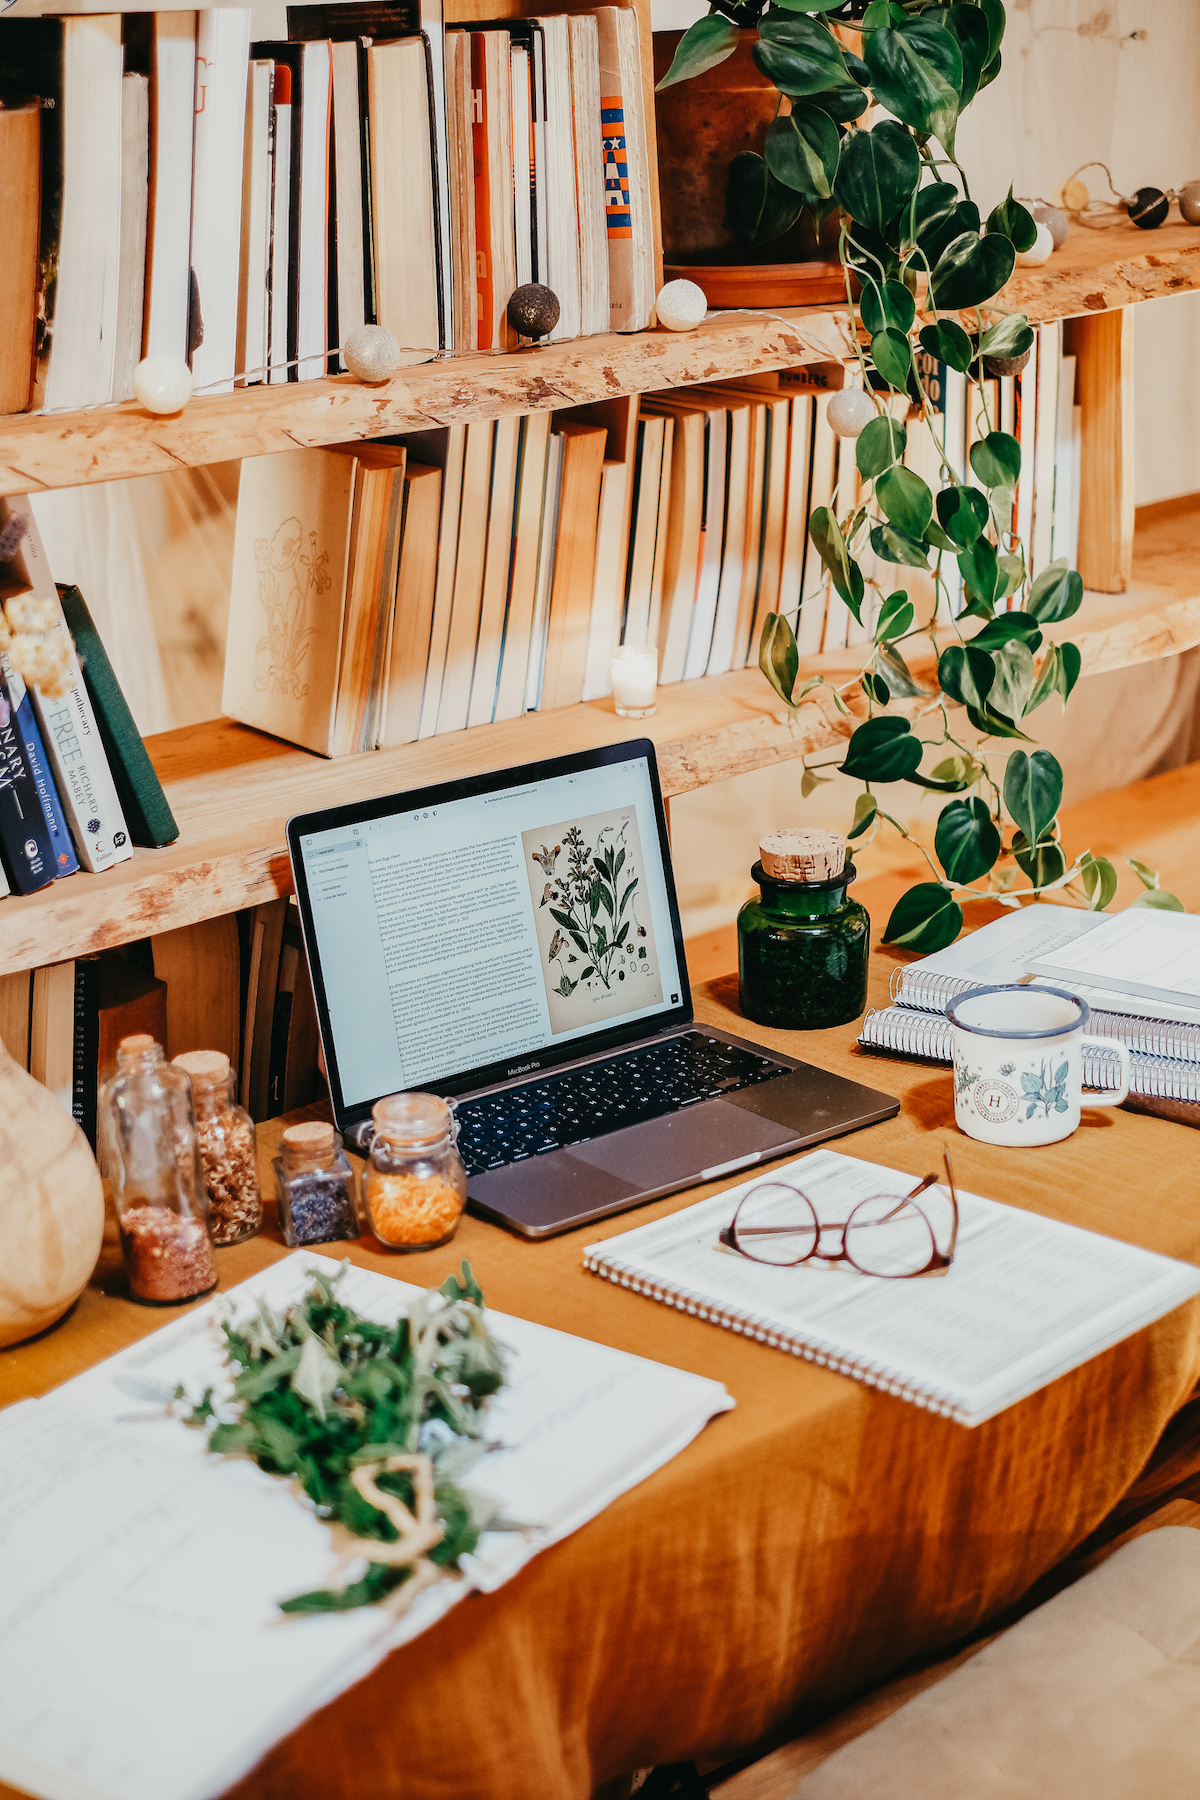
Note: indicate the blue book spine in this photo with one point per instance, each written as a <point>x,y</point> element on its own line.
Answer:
<point>65,860</point>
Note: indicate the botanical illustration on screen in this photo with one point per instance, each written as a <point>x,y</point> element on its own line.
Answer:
<point>595,936</point>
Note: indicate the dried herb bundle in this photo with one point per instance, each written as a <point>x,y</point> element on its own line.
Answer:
<point>374,1421</point>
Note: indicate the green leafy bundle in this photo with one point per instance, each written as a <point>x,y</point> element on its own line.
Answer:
<point>909,229</point>
<point>323,1393</point>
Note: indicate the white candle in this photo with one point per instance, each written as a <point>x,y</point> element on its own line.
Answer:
<point>635,680</point>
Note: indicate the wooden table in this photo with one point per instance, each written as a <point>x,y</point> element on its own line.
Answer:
<point>806,1543</point>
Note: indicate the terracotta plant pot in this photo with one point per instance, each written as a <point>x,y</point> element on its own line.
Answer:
<point>702,125</point>
<point>51,1206</point>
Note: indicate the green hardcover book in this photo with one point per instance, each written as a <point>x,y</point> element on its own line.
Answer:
<point>143,802</point>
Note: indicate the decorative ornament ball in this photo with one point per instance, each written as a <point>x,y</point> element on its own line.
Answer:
<point>1056,222</point>
<point>1074,194</point>
<point>1148,208</point>
<point>999,366</point>
<point>849,411</point>
<point>371,353</point>
<point>1189,202</point>
<point>533,310</point>
<point>1041,250</point>
<point>163,384</point>
<point>681,305</point>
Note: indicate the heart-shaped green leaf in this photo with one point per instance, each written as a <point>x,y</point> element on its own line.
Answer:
<point>1044,865</point>
<point>974,42</point>
<point>1011,220</point>
<point>895,617</point>
<point>948,343</point>
<point>800,55</point>
<point>926,918</point>
<point>802,152</point>
<point>883,749</point>
<point>916,72</point>
<point>966,841</point>
<point>1033,788</point>
<point>842,103</point>
<point>993,12</point>
<point>963,512</point>
<point>875,688</point>
<point>970,270</point>
<point>893,546</point>
<point>891,304</point>
<point>865,808</point>
<point>877,174</point>
<point>980,570</point>
<point>757,207</point>
<point>997,460</point>
<point>1070,662</point>
<point>1056,594</point>
<point>1000,631</point>
<point>1158,897</point>
<point>905,500</point>
<point>960,770</point>
<point>831,548</point>
<point>966,674</point>
<point>881,442</point>
<point>1012,569</point>
<point>1099,881</point>
<point>778,657</point>
<point>994,724</point>
<point>1014,680</point>
<point>892,356</point>
<point>703,45</point>
<point>933,207</point>
<point>937,537</point>
<point>1010,336</point>
<point>809,6</point>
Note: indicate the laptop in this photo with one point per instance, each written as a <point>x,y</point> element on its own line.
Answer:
<point>512,942</point>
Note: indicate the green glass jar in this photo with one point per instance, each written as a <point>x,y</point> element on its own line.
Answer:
<point>802,952</point>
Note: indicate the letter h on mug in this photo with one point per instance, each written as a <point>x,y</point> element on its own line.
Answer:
<point>1018,1064</point>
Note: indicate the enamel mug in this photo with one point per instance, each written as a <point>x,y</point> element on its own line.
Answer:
<point>1018,1064</point>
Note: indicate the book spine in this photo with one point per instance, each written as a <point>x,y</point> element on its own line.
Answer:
<point>822,1351</point>
<point>65,861</point>
<point>24,836</point>
<point>82,775</point>
<point>85,1048</point>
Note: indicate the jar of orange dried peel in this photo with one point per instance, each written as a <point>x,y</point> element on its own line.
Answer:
<point>415,1186</point>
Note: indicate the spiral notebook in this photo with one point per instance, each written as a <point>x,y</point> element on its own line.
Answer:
<point>1026,1300</point>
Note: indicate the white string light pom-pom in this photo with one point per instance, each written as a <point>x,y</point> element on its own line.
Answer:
<point>849,411</point>
<point>681,305</point>
<point>163,384</point>
<point>1043,246</point>
<point>371,354</point>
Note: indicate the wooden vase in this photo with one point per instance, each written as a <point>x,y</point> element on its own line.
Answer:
<point>51,1206</point>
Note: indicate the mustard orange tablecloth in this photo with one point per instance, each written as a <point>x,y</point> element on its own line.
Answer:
<point>803,1546</point>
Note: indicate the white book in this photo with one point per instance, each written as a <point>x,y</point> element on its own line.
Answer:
<point>1065,527</point>
<point>589,174</point>
<point>222,59</point>
<point>449,450</point>
<point>254,282</point>
<point>1072,545</point>
<point>69,730</point>
<point>795,514</point>
<point>347,187</point>
<point>541,184</point>
<point>528,513</point>
<point>562,271</point>
<point>1025,432</point>
<point>1144,952</point>
<point>604,626</point>
<point>493,607</point>
<point>548,543</point>
<point>1026,1299</point>
<point>720,656</point>
<point>182,1558</point>
<point>639,579</point>
<point>954,447</point>
<point>312,297</point>
<point>1048,359</point>
<point>131,291</point>
<point>281,212</point>
<point>522,149</point>
<point>433,33</point>
<point>658,572</point>
<point>708,582</point>
<point>168,233</point>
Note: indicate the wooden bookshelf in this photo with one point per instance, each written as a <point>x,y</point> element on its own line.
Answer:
<point>1095,272</point>
<point>233,790</point>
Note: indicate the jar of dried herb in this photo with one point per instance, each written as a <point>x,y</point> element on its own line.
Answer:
<point>803,944</point>
<point>314,1186</point>
<point>156,1176</point>
<point>228,1151</point>
<point>415,1186</point>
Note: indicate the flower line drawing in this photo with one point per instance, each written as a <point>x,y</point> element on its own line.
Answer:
<point>292,572</point>
<point>592,908</point>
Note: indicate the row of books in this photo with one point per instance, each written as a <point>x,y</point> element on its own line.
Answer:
<point>76,785</point>
<point>389,591</point>
<point>246,205</point>
<point>238,984</point>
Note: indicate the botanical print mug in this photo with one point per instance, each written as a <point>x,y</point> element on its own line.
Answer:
<point>1018,1064</point>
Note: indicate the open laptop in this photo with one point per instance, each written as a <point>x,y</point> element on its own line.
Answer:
<point>512,942</point>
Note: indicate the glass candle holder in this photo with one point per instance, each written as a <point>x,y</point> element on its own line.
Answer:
<point>635,680</point>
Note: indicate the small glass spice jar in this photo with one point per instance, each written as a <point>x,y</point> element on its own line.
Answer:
<point>415,1186</point>
<point>228,1149</point>
<point>803,944</point>
<point>156,1176</point>
<point>314,1186</point>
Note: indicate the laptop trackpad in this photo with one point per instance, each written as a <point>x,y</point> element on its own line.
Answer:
<point>662,1151</point>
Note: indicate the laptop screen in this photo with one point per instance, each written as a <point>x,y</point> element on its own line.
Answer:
<point>473,932</point>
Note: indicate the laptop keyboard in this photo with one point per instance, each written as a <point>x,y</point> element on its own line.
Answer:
<point>591,1102</point>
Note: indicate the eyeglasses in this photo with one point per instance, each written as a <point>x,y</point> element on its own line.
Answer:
<point>892,1236</point>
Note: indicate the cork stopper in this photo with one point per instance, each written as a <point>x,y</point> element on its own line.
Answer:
<point>203,1065</point>
<point>803,854</point>
<point>136,1044</point>
<point>311,1137</point>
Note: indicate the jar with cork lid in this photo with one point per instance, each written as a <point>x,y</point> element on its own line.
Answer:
<point>415,1186</point>
<point>156,1176</point>
<point>228,1151</point>
<point>314,1186</point>
<point>803,944</point>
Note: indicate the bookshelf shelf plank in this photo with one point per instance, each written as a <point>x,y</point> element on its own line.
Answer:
<point>232,789</point>
<point>1095,272</point>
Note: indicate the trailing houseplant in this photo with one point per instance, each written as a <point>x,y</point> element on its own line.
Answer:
<point>927,270</point>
